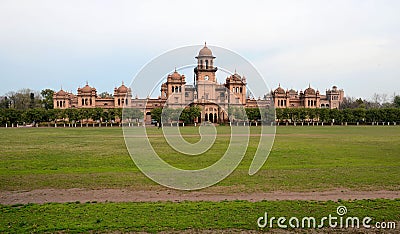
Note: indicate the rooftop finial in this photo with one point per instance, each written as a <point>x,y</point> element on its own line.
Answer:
<point>87,83</point>
<point>309,85</point>
<point>122,82</point>
<point>279,84</point>
<point>175,69</point>
<point>205,44</point>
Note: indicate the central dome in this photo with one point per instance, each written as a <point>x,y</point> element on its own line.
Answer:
<point>205,52</point>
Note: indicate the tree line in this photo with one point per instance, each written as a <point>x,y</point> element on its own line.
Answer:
<point>360,115</point>
<point>168,115</point>
<point>41,115</point>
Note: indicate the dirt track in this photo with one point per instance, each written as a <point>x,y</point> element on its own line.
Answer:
<point>125,195</point>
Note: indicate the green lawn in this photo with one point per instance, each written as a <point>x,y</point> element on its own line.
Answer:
<point>302,159</point>
<point>159,216</point>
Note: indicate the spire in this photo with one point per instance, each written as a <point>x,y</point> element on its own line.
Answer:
<point>122,82</point>
<point>205,44</point>
<point>87,83</point>
<point>279,85</point>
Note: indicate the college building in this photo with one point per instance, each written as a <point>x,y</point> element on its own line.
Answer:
<point>212,97</point>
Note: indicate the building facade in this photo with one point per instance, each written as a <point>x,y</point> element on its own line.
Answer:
<point>212,97</point>
<point>307,99</point>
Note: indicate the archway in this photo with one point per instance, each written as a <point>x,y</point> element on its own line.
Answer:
<point>210,117</point>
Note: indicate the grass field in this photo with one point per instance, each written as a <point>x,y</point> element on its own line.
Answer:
<point>302,159</point>
<point>168,216</point>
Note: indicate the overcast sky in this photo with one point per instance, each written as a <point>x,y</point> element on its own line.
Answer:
<point>351,44</point>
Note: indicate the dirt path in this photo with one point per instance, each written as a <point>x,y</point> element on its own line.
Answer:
<point>122,195</point>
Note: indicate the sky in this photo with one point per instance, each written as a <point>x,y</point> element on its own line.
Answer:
<point>353,44</point>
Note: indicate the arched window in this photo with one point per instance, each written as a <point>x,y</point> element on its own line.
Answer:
<point>126,101</point>
<point>237,90</point>
<point>206,64</point>
<point>57,104</point>
<point>119,102</point>
<point>215,117</point>
<point>201,63</point>
<point>90,100</point>
<point>241,90</point>
<point>210,117</point>
<point>180,89</point>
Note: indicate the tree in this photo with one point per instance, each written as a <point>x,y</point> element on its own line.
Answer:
<point>396,101</point>
<point>24,99</point>
<point>279,114</point>
<point>323,114</point>
<point>97,114</point>
<point>359,114</point>
<point>253,114</point>
<point>47,95</point>
<point>4,102</point>
<point>132,113</point>
<point>105,95</point>
<point>156,114</point>
<point>189,114</point>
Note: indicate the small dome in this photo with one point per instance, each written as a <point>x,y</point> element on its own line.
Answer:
<point>292,91</point>
<point>175,75</point>
<point>61,93</point>
<point>122,89</point>
<point>237,76</point>
<point>86,89</point>
<point>280,90</point>
<point>309,91</point>
<point>205,52</point>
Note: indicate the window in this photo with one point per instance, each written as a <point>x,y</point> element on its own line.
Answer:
<point>206,64</point>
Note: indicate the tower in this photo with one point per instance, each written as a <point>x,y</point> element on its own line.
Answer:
<point>205,70</point>
<point>205,80</point>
